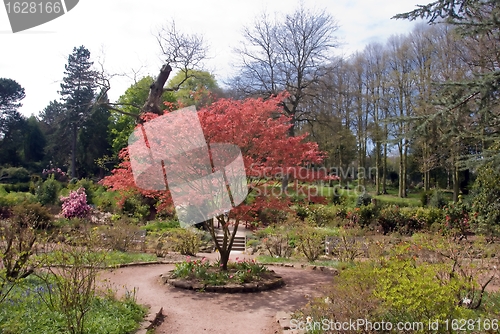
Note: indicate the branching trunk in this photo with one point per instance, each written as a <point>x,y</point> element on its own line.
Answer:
<point>154,101</point>
<point>224,249</point>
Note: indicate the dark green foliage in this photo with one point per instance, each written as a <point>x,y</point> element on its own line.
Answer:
<point>437,199</point>
<point>34,141</point>
<point>486,201</point>
<point>57,148</point>
<point>425,196</point>
<point>77,92</point>
<point>14,175</point>
<point>93,142</point>
<point>17,187</point>
<point>135,206</point>
<point>47,192</point>
<point>363,199</point>
<point>10,94</point>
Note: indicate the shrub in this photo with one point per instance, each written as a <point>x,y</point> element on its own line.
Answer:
<point>134,206</point>
<point>17,187</point>
<point>366,215</point>
<point>75,205</point>
<point>184,241</point>
<point>310,241</point>
<point>457,221</point>
<point>71,282</point>
<point>16,248</point>
<point>363,199</point>
<point>338,197</point>
<point>46,193</point>
<point>278,241</point>
<point>437,199</point>
<point>88,186</point>
<point>396,289</point>
<point>122,236</point>
<point>322,215</point>
<point>32,214</point>
<point>14,175</point>
<point>485,203</point>
<point>402,220</point>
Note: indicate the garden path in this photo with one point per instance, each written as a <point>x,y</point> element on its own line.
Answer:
<point>189,312</point>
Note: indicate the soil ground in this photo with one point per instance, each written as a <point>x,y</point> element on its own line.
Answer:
<point>190,312</point>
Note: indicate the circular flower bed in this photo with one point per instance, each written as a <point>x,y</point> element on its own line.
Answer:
<point>240,276</point>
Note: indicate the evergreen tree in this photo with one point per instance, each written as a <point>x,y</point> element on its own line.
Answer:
<point>93,142</point>
<point>34,141</point>
<point>77,92</point>
<point>475,99</point>
<point>12,122</point>
<point>57,150</point>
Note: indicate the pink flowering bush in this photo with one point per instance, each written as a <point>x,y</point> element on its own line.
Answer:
<point>75,205</point>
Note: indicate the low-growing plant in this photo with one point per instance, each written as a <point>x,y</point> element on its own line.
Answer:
<point>240,271</point>
<point>122,236</point>
<point>17,245</point>
<point>70,280</point>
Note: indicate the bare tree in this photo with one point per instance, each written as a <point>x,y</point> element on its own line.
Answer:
<point>179,50</point>
<point>287,53</point>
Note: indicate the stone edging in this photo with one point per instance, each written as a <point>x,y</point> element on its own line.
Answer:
<point>302,266</point>
<point>271,283</point>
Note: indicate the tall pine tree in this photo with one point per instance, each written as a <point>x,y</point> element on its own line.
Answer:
<point>77,92</point>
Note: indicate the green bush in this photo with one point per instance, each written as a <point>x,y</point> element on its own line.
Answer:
<point>14,175</point>
<point>366,215</point>
<point>105,200</point>
<point>486,204</point>
<point>363,199</point>
<point>17,187</point>
<point>47,192</point>
<point>135,206</point>
<point>437,199</point>
<point>184,241</point>
<point>322,215</point>
<point>395,289</point>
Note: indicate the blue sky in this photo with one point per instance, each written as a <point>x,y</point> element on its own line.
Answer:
<point>121,34</point>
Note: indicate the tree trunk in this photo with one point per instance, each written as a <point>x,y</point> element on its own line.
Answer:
<point>154,101</point>
<point>377,167</point>
<point>74,134</point>
<point>456,183</point>
<point>224,249</point>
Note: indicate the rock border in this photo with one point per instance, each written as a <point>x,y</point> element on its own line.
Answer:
<point>270,283</point>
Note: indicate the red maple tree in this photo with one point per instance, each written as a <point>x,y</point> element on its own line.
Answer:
<point>260,130</point>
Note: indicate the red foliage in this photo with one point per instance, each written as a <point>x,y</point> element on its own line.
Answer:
<point>260,130</point>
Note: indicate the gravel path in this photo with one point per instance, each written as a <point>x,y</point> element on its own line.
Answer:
<point>189,312</point>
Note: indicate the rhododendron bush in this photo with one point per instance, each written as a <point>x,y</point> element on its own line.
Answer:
<point>75,205</point>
